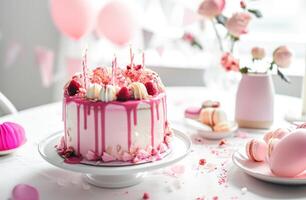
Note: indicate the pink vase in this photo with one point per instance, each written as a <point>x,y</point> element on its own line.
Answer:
<point>255,101</point>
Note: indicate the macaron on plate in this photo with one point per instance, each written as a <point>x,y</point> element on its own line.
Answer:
<point>261,171</point>
<point>207,132</point>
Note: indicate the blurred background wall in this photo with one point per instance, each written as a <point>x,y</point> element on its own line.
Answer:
<point>26,26</point>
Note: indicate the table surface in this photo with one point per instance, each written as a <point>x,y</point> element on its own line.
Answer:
<point>184,180</point>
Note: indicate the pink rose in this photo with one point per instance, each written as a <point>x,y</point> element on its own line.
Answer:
<point>229,63</point>
<point>282,56</point>
<point>211,8</point>
<point>238,23</point>
<point>258,53</point>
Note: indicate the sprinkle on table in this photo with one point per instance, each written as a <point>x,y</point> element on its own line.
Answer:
<point>202,162</point>
<point>145,196</point>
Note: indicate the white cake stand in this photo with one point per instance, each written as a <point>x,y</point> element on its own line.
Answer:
<point>115,176</point>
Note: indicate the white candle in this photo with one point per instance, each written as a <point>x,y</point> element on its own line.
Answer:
<point>131,57</point>
<point>143,59</point>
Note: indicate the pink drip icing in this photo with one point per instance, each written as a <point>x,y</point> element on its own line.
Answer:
<point>129,107</point>
<point>103,127</point>
<point>78,130</point>
<point>157,109</point>
<point>96,128</point>
<point>128,113</point>
<point>152,122</point>
<point>135,115</point>
<point>85,116</point>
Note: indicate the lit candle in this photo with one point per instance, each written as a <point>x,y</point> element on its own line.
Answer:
<point>84,63</point>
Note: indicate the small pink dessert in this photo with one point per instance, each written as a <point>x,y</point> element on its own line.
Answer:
<point>278,133</point>
<point>25,192</point>
<point>12,136</point>
<point>256,150</point>
<point>114,114</point>
<point>210,104</point>
<point>288,158</point>
<point>193,113</point>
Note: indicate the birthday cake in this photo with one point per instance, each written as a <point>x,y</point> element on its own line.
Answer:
<point>113,114</point>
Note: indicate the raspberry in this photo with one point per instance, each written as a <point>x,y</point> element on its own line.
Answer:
<point>123,94</point>
<point>138,67</point>
<point>73,87</point>
<point>151,88</point>
<point>202,162</point>
<point>145,196</point>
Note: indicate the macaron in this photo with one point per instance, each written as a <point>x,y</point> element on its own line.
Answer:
<point>222,127</point>
<point>256,150</point>
<point>212,116</point>
<point>210,104</point>
<point>271,145</point>
<point>278,133</point>
<point>192,112</point>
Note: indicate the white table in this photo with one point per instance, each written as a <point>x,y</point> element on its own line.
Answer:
<point>226,182</point>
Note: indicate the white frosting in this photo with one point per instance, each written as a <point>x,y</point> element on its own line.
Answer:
<point>139,90</point>
<point>108,93</point>
<point>93,91</point>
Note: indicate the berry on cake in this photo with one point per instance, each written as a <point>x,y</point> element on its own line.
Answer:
<point>114,114</point>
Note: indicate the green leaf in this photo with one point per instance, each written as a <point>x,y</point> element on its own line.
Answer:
<point>221,19</point>
<point>244,70</point>
<point>255,12</point>
<point>283,76</point>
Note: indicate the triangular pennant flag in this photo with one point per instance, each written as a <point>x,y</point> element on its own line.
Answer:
<point>45,61</point>
<point>73,65</point>
<point>190,17</point>
<point>12,53</point>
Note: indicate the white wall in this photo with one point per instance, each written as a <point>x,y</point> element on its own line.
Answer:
<point>28,23</point>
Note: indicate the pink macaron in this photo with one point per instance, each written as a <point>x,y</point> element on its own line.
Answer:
<point>12,135</point>
<point>192,112</point>
<point>288,157</point>
<point>276,134</point>
<point>256,150</point>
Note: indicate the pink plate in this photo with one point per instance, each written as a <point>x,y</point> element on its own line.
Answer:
<point>261,171</point>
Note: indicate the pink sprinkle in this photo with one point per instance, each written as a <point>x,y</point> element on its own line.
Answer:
<point>145,196</point>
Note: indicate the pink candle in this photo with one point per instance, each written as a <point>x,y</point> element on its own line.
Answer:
<point>131,57</point>
<point>84,63</point>
<point>114,69</point>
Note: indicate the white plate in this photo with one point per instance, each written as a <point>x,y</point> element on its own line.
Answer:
<point>2,153</point>
<point>181,146</point>
<point>207,131</point>
<point>261,171</point>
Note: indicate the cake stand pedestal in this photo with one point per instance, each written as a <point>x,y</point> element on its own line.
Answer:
<point>108,176</point>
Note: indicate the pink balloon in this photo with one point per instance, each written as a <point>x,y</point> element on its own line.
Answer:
<point>116,22</point>
<point>73,18</point>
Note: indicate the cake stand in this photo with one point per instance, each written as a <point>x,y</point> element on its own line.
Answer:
<point>115,176</point>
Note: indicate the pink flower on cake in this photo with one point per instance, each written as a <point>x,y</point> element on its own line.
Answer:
<point>107,157</point>
<point>238,23</point>
<point>258,53</point>
<point>211,8</point>
<point>229,63</point>
<point>282,56</point>
<point>91,155</point>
